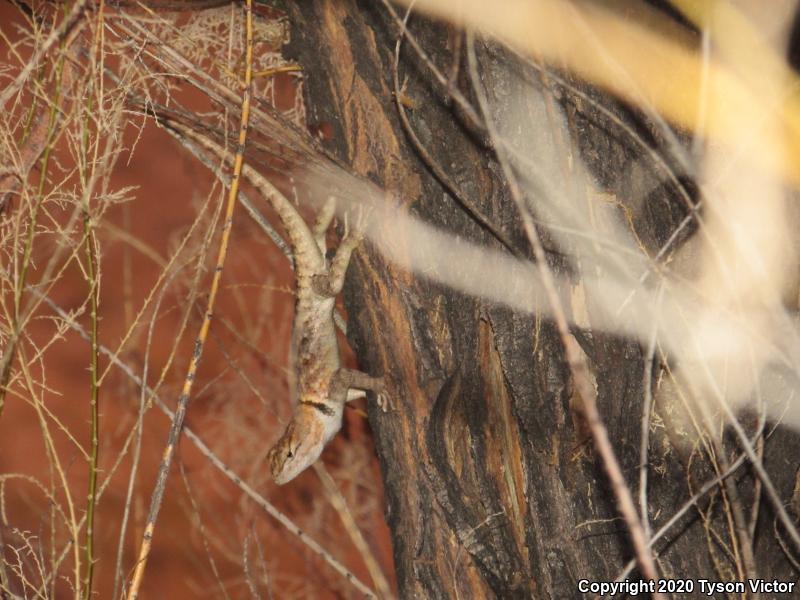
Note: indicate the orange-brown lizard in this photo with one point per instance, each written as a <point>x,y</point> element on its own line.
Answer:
<point>322,386</point>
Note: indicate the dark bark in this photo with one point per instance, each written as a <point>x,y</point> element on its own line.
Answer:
<point>492,486</point>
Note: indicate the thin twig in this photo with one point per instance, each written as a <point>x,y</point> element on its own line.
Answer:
<point>137,452</point>
<point>94,291</point>
<point>263,563</point>
<point>206,451</point>
<point>63,80</point>
<point>475,122</point>
<point>291,140</point>
<point>466,203</point>
<point>183,400</point>
<point>93,280</point>
<point>5,585</point>
<point>201,528</point>
<point>743,544</point>
<point>215,167</point>
<point>647,388</point>
<point>57,35</point>
<point>772,494</point>
<point>351,527</point>
<point>577,365</point>
<point>708,486</point>
<point>60,471</point>
<point>786,551</point>
<point>248,577</point>
<point>251,209</point>
<point>756,508</point>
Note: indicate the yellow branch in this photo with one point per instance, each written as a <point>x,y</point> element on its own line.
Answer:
<point>183,400</point>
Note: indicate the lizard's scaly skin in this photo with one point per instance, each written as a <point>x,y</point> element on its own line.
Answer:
<point>321,383</point>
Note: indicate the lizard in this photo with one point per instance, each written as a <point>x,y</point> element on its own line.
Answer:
<point>320,385</point>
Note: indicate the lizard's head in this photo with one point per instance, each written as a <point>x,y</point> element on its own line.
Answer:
<point>299,446</point>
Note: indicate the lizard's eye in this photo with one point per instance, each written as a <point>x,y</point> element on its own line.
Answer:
<point>292,449</point>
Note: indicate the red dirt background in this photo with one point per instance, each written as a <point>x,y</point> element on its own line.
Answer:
<point>203,527</point>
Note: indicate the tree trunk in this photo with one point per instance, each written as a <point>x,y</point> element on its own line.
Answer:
<point>493,486</point>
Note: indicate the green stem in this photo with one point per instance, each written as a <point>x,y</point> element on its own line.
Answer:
<point>7,359</point>
<point>91,273</point>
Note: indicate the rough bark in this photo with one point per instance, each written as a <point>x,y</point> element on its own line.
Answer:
<point>493,488</point>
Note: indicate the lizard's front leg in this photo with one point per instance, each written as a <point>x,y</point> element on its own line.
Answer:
<point>330,283</point>
<point>324,218</point>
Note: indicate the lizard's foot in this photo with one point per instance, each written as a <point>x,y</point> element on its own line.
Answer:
<point>381,398</point>
<point>359,215</point>
<point>383,401</point>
